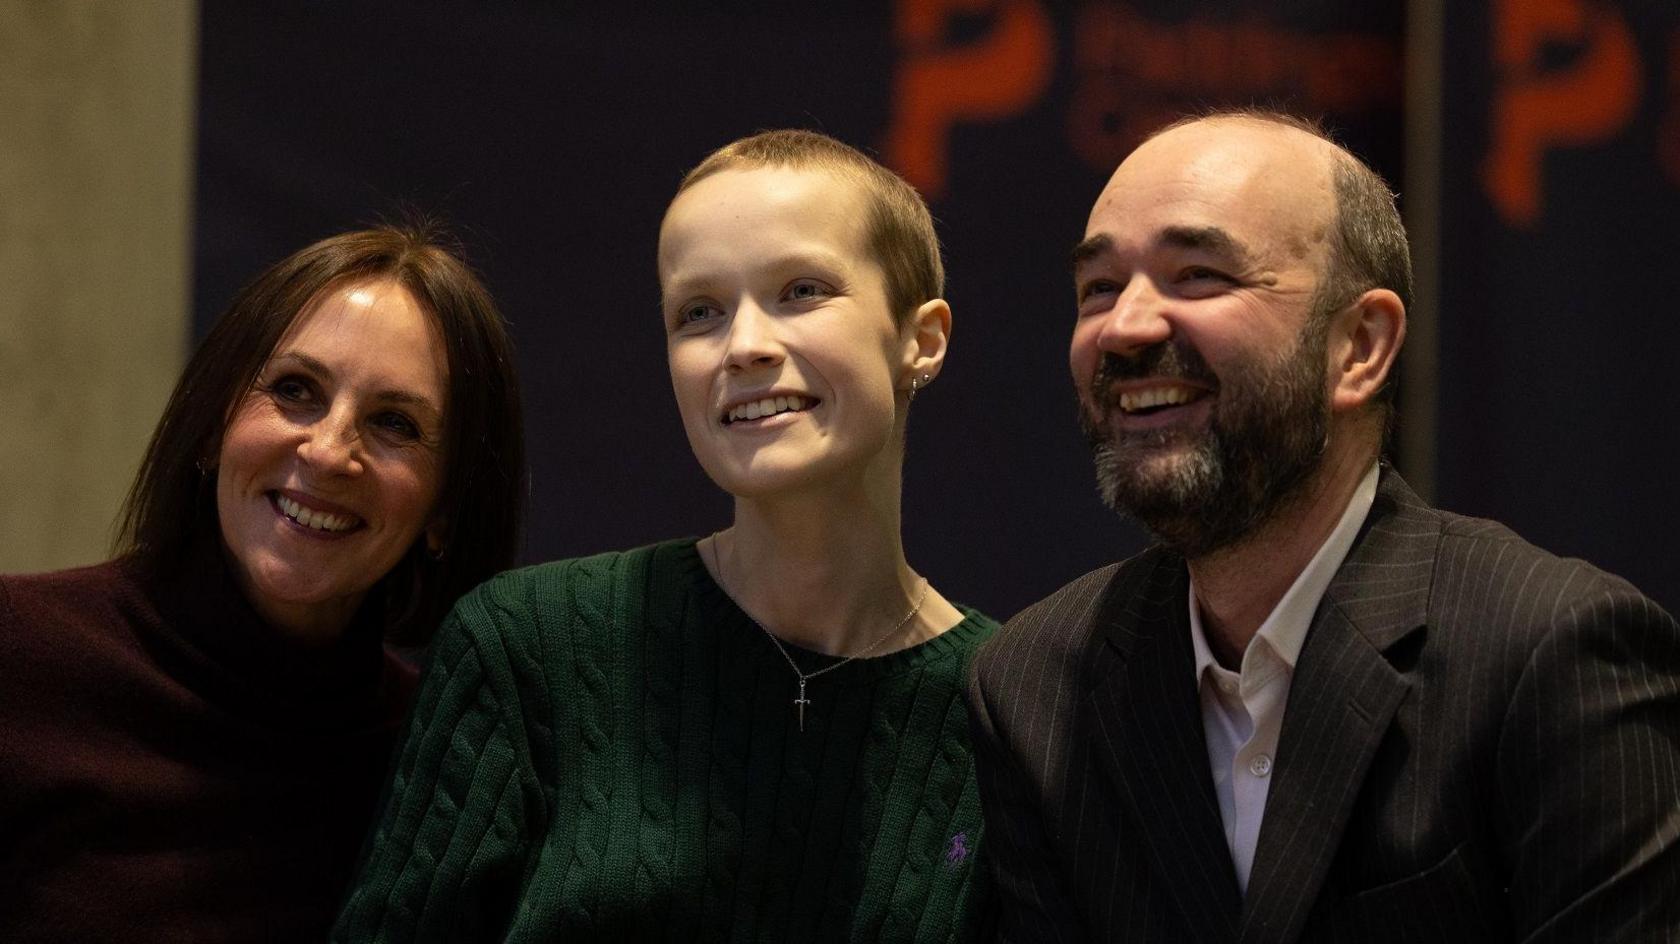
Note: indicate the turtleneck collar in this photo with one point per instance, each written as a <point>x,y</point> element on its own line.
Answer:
<point>212,638</point>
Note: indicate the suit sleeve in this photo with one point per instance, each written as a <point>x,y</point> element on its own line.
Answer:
<point>1033,903</point>
<point>446,858</point>
<point>1589,760</point>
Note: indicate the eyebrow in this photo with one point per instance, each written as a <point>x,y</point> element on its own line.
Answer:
<point>1201,238</point>
<point>833,265</point>
<point>1206,239</point>
<point>402,397</point>
<point>1091,247</point>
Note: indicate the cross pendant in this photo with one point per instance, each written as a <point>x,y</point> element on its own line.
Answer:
<point>800,703</point>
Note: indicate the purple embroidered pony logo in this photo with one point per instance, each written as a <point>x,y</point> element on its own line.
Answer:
<point>957,852</point>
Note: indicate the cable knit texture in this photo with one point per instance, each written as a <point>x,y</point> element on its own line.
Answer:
<point>171,769</point>
<point>607,749</point>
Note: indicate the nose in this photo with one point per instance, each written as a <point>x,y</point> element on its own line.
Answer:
<point>753,341</point>
<point>332,444</point>
<point>1138,321</point>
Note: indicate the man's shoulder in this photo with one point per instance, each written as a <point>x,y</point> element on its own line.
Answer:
<point>1061,627</point>
<point>1485,559</point>
<point>1481,572</point>
<point>1073,605</point>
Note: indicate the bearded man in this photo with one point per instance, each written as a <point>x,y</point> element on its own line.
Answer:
<point>1318,709</point>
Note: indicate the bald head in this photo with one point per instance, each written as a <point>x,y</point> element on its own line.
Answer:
<point>1336,210</point>
<point>1225,176</point>
<point>1369,247</point>
<point>1232,343</point>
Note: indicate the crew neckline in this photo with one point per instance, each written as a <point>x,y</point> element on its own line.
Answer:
<point>730,621</point>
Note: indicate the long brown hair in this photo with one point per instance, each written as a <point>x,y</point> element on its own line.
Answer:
<point>171,506</point>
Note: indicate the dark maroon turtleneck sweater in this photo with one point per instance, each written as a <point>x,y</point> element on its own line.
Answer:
<point>171,770</point>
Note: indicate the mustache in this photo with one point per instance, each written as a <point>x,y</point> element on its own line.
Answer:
<point>1161,361</point>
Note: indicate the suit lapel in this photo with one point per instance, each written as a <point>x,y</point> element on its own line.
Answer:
<point>1340,702</point>
<point>1342,697</point>
<point>1150,720</point>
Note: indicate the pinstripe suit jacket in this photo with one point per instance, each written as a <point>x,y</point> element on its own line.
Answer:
<point>1481,742</point>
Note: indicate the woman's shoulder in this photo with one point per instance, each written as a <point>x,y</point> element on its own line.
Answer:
<point>578,591</point>
<point>69,628</point>
<point>976,627</point>
<point>99,592</point>
<point>594,573</point>
<point>943,659</point>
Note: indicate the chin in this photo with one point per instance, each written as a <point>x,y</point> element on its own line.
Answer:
<point>292,583</point>
<point>287,588</point>
<point>763,484</point>
<point>768,477</point>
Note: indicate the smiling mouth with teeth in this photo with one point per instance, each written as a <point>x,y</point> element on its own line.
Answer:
<point>313,519</point>
<point>1155,399</point>
<point>769,406</point>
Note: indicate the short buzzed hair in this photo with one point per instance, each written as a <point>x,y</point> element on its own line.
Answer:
<point>899,230</point>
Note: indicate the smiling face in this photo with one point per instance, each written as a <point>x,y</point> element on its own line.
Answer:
<point>1199,354</point>
<point>785,357</point>
<point>330,466</point>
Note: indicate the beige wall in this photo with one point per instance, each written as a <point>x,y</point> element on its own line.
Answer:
<point>96,112</point>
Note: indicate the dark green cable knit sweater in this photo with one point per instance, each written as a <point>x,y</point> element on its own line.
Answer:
<point>607,749</point>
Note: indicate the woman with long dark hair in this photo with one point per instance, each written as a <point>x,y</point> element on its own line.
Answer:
<point>192,734</point>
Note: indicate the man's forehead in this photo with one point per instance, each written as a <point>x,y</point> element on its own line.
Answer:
<point>1209,183</point>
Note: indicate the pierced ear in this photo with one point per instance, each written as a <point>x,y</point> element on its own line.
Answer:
<point>1365,340</point>
<point>924,338</point>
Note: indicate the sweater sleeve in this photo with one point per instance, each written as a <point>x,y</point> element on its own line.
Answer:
<point>446,860</point>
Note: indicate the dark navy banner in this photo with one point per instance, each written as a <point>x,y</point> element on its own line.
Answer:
<point>1559,334</point>
<point>553,139</point>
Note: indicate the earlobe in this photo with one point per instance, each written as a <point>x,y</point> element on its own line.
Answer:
<point>925,337</point>
<point>436,537</point>
<point>1366,339</point>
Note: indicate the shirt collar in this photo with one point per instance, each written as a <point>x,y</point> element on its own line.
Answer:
<point>1285,628</point>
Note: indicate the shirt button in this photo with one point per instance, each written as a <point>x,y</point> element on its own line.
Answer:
<point>1228,686</point>
<point>1260,766</point>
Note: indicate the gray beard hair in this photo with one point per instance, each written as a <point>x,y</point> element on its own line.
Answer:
<point>1196,507</point>
<point>1255,455</point>
<point>1200,474</point>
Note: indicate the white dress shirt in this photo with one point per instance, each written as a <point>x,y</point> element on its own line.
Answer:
<point>1242,712</point>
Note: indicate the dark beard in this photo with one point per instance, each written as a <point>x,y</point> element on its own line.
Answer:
<point>1264,438</point>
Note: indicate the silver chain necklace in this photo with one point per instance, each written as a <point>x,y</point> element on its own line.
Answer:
<point>800,701</point>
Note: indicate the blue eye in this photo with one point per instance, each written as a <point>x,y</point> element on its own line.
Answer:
<point>806,290</point>
<point>697,312</point>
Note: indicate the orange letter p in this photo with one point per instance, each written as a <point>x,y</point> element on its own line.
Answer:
<point>1534,111</point>
<point>937,86</point>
